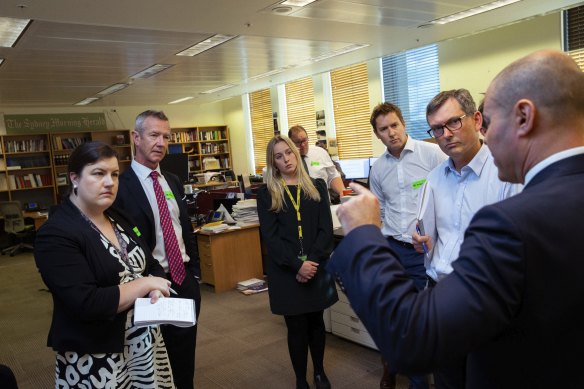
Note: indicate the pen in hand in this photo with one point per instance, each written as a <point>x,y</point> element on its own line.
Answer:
<point>423,244</point>
<point>169,288</point>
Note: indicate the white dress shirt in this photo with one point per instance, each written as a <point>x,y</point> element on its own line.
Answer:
<point>159,253</point>
<point>397,183</point>
<point>457,197</point>
<point>320,164</point>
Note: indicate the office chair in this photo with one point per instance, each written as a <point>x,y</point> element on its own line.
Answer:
<point>14,225</point>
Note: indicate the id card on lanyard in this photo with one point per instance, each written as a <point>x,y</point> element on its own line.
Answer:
<point>296,205</point>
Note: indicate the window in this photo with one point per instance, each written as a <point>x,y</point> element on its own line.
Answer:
<point>410,81</point>
<point>262,125</point>
<point>350,91</point>
<point>300,106</point>
<point>574,34</point>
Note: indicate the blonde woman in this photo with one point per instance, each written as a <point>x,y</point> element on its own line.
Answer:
<point>296,226</point>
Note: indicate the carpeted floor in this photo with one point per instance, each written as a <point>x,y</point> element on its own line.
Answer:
<point>240,343</point>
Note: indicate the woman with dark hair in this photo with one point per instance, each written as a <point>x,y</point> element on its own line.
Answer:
<point>296,226</point>
<point>95,265</point>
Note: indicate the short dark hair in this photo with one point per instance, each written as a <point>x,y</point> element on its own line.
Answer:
<point>463,97</point>
<point>295,130</point>
<point>384,109</point>
<point>89,153</point>
<point>139,125</point>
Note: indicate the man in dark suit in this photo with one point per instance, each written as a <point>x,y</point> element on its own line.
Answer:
<point>514,301</point>
<point>137,197</point>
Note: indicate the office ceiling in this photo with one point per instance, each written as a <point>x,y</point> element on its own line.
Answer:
<point>74,49</point>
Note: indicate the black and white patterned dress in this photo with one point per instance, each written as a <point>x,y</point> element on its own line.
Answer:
<point>144,362</point>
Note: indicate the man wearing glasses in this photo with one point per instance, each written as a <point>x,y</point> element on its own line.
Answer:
<point>316,160</point>
<point>460,186</point>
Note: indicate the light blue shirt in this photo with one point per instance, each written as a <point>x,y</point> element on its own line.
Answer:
<point>457,197</point>
<point>397,183</point>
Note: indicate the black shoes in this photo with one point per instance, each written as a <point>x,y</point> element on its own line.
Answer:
<point>321,381</point>
<point>302,385</point>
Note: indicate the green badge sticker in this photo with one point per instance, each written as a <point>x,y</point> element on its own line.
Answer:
<point>418,184</point>
<point>137,231</point>
<point>303,257</point>
<point>314,163</point>
<point>169,195</point>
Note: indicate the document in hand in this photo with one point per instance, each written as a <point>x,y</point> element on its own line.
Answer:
<point>176,311</point>
<point>426,215</point>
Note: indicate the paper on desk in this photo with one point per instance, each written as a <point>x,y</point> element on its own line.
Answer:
<point>227,216</point>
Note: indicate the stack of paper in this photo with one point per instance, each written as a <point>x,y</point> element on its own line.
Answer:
<point>216,228</point>
<point>245,212</point>
<point>176,311</point>
<point>252,286</point>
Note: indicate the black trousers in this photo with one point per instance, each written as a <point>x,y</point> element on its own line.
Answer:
<point>306,331</point>
<point>181,342</point>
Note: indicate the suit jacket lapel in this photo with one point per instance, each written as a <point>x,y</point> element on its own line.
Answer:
<point>137,193</point>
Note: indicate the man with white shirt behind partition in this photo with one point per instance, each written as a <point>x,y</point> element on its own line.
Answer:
<point>396,178</point>
<point>460,186</point>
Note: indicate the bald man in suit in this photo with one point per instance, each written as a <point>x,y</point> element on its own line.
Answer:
<point>514,300</point>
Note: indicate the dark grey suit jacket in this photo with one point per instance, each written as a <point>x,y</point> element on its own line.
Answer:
<point>514,302</point>
<point>133,202</point>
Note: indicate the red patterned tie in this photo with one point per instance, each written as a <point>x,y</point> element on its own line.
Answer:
<point>175,261</point>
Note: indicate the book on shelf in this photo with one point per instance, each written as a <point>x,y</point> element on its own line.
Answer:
<point>3,182</point>
<point>175,311</point>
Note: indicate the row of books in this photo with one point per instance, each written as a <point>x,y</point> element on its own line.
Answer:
<point>213,135</point>
<point>68,143</point>
<point>28,162</point>
<point>213,148</point>
<point>24,181</point>
<point>25,145</point>
<point>183,136</point>
<point>252,286</point>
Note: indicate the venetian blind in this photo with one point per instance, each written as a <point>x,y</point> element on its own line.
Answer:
<point>574,34</point>
<point>410,80</point>
<point>350,91</point>
<point>262,125</point>
<point>300,106</point>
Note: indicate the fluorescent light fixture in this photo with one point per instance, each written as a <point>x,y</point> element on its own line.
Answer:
<point>10,30</point>
<point>205,45</point>
<point>270,73</point>
<point>341,51</point>
<point>181,100</point>
<point>217,89</point>
<point>152,70</point>
<point>88,100</point>
<point>112,89</point>
<point>297,3</point>
<point>1,60</point>
<point>473,11</point>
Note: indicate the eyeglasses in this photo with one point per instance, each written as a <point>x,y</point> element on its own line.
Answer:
<point>301,142</point>
<point>453,125</point>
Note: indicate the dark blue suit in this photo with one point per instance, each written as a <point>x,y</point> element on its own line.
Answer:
<point>514,302</point>
<point>180,342</point>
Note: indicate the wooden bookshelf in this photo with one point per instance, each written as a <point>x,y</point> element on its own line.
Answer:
<point>208,148</point>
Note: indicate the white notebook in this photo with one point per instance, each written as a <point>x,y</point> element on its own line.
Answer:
<point>176,311</point>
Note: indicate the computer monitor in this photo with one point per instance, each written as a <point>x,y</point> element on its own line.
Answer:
<point>355,168</point>
<point>177,164</point>
<point>244,184</point>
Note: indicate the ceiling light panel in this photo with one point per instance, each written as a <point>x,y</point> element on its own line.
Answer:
<point>297,3</point>
<point>112,89</point>
<point>207,44</point>
<point>10,30</point>
<point>218,89</point>
<point>181,100</point>
<point>87,101</point>
<point>473,11</point>
<point>152,70</point>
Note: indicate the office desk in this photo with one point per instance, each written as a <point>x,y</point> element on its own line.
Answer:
<point>39,218</point>
<point>230,256</point>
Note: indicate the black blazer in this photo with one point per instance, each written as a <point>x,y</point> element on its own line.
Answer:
<point>83,279</point>
<point>132,200</point>
<point>514,301</point>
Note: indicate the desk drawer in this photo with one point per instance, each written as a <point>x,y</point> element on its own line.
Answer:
<point>354,334</point>
<point>348,320</point>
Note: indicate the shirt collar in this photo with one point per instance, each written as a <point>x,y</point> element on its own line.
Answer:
<point>476,164</point>
<point>552,159</point>
<point>410,146</point>
<point>142,171</point>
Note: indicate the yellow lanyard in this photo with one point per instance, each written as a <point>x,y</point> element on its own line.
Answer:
<point>296,205</point>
